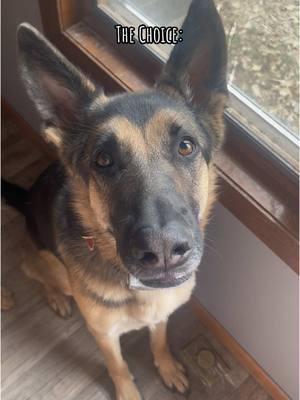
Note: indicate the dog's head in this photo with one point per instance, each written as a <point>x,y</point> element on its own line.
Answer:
<point>142,158</point>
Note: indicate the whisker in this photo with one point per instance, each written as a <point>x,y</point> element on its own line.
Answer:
<point>213,250</point>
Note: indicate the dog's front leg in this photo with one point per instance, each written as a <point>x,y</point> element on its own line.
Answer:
<point>117,367</point>
<point>171,371</point>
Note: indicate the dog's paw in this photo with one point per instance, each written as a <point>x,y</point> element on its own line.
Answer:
<point>172,373</point>
<point>60,303</point>
<point>128,391</point>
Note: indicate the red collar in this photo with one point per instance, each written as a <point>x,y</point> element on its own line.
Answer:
<point>90,241</point>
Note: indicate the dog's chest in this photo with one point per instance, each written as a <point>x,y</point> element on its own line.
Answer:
<point>151,308</point>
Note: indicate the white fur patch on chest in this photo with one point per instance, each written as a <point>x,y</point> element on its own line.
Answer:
<point>151,308</point>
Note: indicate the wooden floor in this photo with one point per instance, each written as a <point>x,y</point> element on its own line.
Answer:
<point>46,357</point>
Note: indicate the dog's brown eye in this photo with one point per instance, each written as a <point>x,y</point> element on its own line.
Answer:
<point>186,147</point>
<point>104,160</point>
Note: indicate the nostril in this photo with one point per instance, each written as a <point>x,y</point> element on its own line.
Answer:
<point>149,258</point>
<point>180,249</point>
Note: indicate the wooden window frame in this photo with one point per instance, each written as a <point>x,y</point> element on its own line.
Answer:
<point>254,186</point>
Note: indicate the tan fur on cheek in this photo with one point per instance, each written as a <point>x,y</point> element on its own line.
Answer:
<point>99,204</point>
<point>92,207</point>
<point>89,204</point>
<point>53,136</point>
<point>207,194</point>
<point>203,189</point>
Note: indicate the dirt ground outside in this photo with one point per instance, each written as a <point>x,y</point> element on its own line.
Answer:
<point>263,42</point>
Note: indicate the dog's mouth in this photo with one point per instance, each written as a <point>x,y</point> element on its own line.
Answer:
<point>163,278</point>
<point>169,279</point>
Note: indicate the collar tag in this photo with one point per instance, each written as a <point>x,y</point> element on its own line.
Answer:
<point>90,241</point>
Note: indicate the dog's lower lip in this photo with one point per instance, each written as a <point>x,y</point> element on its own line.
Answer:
<point>167,280</point>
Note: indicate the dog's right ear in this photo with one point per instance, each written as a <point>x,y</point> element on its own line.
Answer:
<point>197,67</point>
<point>58,89</point>
<point>199,61</point>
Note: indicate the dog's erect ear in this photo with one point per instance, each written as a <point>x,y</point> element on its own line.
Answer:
<point>197,66</point>
<point>57,88</point>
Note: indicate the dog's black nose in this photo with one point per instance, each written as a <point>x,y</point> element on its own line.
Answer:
<point>167,247</point>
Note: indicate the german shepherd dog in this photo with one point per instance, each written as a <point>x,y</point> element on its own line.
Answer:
<point>118,223</point>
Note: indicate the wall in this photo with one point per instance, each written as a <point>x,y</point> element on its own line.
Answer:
<point>13,13</point>
<point>241,282</point>
<point>254,295</point>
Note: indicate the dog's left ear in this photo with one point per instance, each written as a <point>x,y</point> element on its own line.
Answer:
<point>197,67</point>
<point>58,89</point>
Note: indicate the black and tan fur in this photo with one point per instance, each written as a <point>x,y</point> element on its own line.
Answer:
<point>150,192</point>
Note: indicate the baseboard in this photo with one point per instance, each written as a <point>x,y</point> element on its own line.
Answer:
<point>221,334</point>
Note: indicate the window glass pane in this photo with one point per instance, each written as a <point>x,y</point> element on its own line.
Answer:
<point>263,70</point>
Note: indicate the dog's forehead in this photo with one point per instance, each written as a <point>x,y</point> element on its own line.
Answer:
<point>143,120</point>
<point>139,108</point>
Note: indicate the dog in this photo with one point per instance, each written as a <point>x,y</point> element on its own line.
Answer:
<point>118,223</point>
